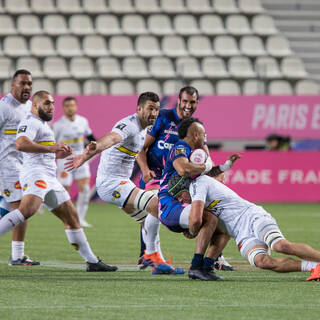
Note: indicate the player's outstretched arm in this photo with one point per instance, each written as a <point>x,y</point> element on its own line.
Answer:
<point>147,174</point>
<point>93,148</point>
<point>216,170</point>
<point>24,144</point>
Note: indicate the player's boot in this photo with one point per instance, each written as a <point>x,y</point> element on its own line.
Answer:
<point>141,264</point>
<point>24,261</point>
<point>100,266</point>
<point>202,274</point>
<point>315,274</point>
<point>222,264</point>
<point>159,265</point>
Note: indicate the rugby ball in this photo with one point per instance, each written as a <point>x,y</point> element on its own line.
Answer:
<point>198,156</point>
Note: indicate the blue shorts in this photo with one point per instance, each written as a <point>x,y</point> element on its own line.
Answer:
<point>170,213</point>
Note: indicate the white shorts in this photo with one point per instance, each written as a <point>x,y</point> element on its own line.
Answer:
<point>66,178</point>
<point>49,189</point>
<point>116,191</point>
<point>10,188</point>
<point>184,217</point>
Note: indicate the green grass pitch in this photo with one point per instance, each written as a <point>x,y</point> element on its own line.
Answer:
<point>61,289</point>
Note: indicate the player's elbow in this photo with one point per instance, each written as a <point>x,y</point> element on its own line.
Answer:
<point>183,171</point>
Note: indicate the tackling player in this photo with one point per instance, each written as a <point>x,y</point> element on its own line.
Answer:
<point>159,140</point>
<point>254,230</point>
<point>192,220</point>
<point>38,179</point>
<point>119,149</point>
<point>13,108</point>
<point>72,129</point>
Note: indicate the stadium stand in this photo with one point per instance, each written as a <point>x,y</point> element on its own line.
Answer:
<point>92,42</point>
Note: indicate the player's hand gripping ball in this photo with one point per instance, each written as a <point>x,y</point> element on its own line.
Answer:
<point>198,156</point>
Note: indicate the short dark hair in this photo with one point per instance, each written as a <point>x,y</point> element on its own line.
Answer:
<point>21,71</point>
<point>189,90</point>
<point>145,96</point>
<point>66,99</point>
<point>39,94</point>
<point>184,126</point>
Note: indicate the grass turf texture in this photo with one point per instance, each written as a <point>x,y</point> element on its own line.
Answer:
<point>61,289</point>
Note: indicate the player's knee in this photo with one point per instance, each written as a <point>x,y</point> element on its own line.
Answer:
<point>257,257</point>
<point>283,246</point>
<point>146,201</point>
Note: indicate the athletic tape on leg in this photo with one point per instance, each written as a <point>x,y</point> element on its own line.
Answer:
<point>142,199</point>
<point>253,253</point>
<point>272,237</point>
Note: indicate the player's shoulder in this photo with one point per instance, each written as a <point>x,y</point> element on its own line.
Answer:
<point>81,119</point>
<point>5,101</point>
<point>58,123</point>
<point>166,113</point>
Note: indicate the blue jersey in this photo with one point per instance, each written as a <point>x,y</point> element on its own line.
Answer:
<point>169,208</point>
<point>165,133</point>
<point>180,150</point>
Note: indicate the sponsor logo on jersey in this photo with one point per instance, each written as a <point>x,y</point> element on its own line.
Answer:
<point>116,194</point>
<point>17,185</point>
<point>41,184</point>
<point>180,150</point>
<point>7,192</point>
<point>121,126</point>
<point>63,174</point>
<point>22,129</point>
<point>26,186</point>
<point>164,145</point>
<point>123,182</point>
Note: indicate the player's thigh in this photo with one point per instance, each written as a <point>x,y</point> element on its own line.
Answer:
<point>83,184</point>
<point>64,177</point>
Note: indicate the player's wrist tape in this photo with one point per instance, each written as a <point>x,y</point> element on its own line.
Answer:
<point>226,166</point>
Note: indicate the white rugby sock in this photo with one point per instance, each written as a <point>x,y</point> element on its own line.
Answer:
<point>158,247</point>
<point>17,250</point>
<point>308,265</point>
<point>83,202</point>
<point>10,221</point>
<point>79,241</point>
<point>152,226</point>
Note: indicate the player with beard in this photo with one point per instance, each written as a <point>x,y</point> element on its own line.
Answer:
<point>159,140</point>
<point>119,150</point>
<point>38,179</point>
<point>13,108</point>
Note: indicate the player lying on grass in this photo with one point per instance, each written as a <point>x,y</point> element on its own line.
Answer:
<point>120,148</point>
<point>192,220</point>
<point>39,182</point>
<point>253,229</point>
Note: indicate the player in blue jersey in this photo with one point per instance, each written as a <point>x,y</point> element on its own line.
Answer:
<point>192,220</point>
<point>151,159</point>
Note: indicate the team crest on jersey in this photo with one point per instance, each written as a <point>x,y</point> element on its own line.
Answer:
<point>63,174</point>
<point>7,192</point>
<point>116,194</point>
<point>26,186</point>
<point>22,129</point>
<point>17,185</point>
<point>121,126</point>
<point>41,184</point>
<point>180,150</point>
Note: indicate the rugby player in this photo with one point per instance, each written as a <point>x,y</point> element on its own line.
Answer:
<point>159,140</point>
<point>13,108</point>
<point>72,129</point>
<point>119,149</point>
<point>253,229</point>
<point>192,220</point>
<point>38,179</point>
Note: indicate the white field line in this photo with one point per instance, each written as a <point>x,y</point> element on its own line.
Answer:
<point>210,305</point>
